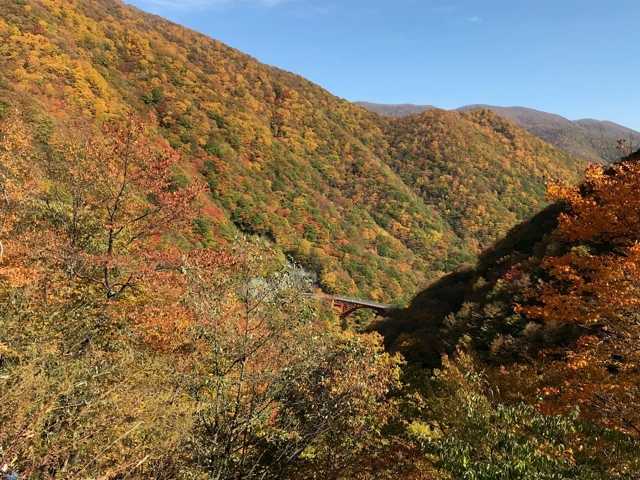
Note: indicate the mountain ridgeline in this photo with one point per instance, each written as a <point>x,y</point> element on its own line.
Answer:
<point>374,206</point>
<point>594,140</point>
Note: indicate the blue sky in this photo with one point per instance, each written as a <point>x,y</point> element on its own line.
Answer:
<point>577,58</point>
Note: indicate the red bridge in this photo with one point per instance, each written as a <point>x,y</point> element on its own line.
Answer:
<point>347,305</point>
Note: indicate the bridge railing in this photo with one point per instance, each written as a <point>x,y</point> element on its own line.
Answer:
<point>348,305</point>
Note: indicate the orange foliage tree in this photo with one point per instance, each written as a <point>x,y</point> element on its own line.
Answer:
<point>18,174</point>
<point>286,394</point>
<point>593,288</point>
<point>597,280</point>
<point>111,201</point>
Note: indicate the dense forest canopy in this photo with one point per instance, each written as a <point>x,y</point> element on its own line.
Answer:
<point>168,205</point>
<point>598,141</point>
<point>347,194</point>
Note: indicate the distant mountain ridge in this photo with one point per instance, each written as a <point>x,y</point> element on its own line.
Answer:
<point>595,140</point>
<point>395,111</point>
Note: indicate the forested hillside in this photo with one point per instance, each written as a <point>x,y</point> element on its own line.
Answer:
<point>282,158</point>
<point>594,140</point>
<point>551,311</point>
<point>482,172</point>
<point>155,186</point>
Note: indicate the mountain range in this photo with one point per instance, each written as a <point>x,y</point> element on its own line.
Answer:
<point>594,140</point>
<point>163,198</point>
<point>374,206</point>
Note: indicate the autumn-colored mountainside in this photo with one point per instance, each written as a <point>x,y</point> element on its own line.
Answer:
<point>154,185</point>
<point>594,140</point>
<point>552,309</point>
<point>482,172</point>
<point>281,157</point>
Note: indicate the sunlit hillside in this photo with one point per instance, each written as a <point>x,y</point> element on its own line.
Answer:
<point>595,140</point>
<point>340,190</point>
<point>175,217</point>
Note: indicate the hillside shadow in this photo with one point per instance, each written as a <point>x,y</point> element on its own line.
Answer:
<point>416,331</point>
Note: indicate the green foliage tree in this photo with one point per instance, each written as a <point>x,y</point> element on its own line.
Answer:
<point>472,435</point>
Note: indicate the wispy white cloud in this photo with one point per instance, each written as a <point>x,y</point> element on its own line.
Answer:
<point>475,19</point>
<point>455,12</point>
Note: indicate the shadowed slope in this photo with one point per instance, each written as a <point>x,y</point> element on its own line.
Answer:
<point>484,296</point>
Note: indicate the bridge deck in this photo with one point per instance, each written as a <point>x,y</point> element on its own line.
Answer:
<point>356,301</point>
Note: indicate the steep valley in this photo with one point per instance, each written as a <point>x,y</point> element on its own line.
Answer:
<point>375,206</point>
<point>184,231</point>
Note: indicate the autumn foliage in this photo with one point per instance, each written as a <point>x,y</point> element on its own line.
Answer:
<point>167,205</point>
<point>374,207</point>
<point>595,285</point>
<point>126,348</point>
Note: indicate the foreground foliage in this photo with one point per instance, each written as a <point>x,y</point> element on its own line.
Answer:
<point>121,355</point>
<point>552,312</point>
<point>472,434</point>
